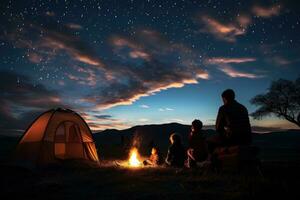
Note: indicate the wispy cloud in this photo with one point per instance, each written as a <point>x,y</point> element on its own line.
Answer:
<point>54,41</point>
<point>226,60</point>
<point>84,76</point>
<point>279,60</point>
<point>225,31</point>
<point>123,81</point>
<point>74,26</point>
<point>224,65</point>
<point>229,31</point>
<point>99,122</point>
<point>165,109</point>
<point>100,126</point>
<point>177,120</point>
<point>230,71</point>
<point>21,100</point>
<point>169,109</point>
<point>143,120</point>
<point>144,106</point>
<point>139,54</point>
<point>103,116</point>
<point>59,41</point>
<point>266,12</point>
<point>34,57</point>
<point>136,80</point>
<point>134,49</point>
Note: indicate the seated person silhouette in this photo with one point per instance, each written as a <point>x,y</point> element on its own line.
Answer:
<point>197,151</point>
<point>232,124</point>
<point>155,158</point>
<point>176,152</point>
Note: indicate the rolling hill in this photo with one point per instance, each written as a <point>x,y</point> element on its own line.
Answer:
<point>278,145</point>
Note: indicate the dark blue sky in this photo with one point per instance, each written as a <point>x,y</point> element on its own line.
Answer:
<point>122,63</point>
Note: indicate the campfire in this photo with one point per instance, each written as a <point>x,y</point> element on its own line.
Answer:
<point>134,156</point>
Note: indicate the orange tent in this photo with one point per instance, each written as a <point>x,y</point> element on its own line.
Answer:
<point>55,135</point>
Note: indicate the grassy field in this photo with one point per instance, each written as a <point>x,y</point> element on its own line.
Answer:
<point>72,181</point>
<point>65,182</point>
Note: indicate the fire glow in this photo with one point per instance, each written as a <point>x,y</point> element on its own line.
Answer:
<point>134,158</point>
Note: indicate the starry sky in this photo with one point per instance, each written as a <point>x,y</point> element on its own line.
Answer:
<point>124,63</point>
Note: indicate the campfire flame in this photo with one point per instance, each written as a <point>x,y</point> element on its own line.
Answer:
<point>134,158</point>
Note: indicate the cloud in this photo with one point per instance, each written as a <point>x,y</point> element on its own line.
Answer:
<point>177,120</point>
<point>34,57</point>
<point>103,116</point>
<point>53,41</point>
<point>279,60</point>
<point>169,109</point>
<point>143,120</point>
<point>165,109</point>
<point>229,31</point>
<point>172,65</point>
<point>98,126</point>
<point>237,74</point>
<point>224,65</point>
<point>276,55</point>
<point>266,12</point>
<point>99,122</point>
<point>152,63</point>
<point>21,100</point>
<point>144,106</point>
<point>225,31</point>
<point>226,60</point>
<point>244,20</point>
<point>139,54</point>
<point>134,50</point>
<point>84,76</point>
<point>74,26</point>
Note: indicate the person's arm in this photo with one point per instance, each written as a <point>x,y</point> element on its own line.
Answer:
<point>220,122</point>
<point>248,120</point>
<point>169,158</point>
<point>190,153</point>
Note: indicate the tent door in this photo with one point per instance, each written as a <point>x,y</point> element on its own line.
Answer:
<point>60,142</point>
<point>68,141</point>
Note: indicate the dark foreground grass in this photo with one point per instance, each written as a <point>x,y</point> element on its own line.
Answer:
<point>63,182</point>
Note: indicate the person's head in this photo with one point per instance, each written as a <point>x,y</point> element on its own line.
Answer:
<point>154,151</point>
<point>196,125</point>
<point>228,96</point>
<point>175,138</point>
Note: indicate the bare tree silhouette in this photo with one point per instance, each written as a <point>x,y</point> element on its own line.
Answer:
<point>282,99</point>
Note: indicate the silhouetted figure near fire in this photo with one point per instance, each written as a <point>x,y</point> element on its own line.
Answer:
<point>197,151</point>
<point>176,152</point>
<point>232,124</point>
<point>155,158</point>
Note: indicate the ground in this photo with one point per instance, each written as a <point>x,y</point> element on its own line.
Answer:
<point>280,170</point>
<point>111,182</point>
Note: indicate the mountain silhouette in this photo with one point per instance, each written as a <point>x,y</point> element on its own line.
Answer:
<point>112,143</point>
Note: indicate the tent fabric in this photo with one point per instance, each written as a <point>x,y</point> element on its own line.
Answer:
<point>56,135</point>
<point>91,151</point>
<point>37,128</point>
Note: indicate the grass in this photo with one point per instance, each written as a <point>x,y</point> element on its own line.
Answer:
<point>72,181</point>
<point>65,182</point>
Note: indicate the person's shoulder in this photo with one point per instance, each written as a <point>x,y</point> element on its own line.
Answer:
<point>241,106</point>
<point>221,108</point>
<point>171,147</point>
<point>203,134</point>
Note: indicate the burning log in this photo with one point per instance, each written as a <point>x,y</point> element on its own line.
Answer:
<point>134,157</point>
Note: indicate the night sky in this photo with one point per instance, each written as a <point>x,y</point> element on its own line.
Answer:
<point>124,63</point>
